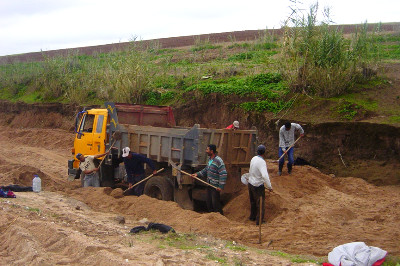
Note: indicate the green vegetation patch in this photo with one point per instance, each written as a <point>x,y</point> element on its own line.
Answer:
<point>37,210</point>
<point>212,256</point>
<point>390,47</point>
<point>297,258</point>
<point>264,85</point>
<point>394,119</point>
<point>391,261</point>
<point>245,45</point>
<point>205,46</point>
<point>348,99</point>
<point>159,98</point>
<point>347,110</point>
<point>265,106</point>
<point>255,56</point>
<point>236,247</point>
<point>181,241</point>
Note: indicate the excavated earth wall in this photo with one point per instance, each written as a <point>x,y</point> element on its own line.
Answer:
<point>359,149</point>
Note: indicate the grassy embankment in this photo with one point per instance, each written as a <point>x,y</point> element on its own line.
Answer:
<point>311,58</point>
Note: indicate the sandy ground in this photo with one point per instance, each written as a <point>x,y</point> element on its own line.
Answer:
<point>308,213</point>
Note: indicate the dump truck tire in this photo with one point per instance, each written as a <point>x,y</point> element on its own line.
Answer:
<point>159,187</point>
<point>106,175</point>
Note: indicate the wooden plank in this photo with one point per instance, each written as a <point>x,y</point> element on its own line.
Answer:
<point>182,149</point>
<point>170,148</point>
<point>148,145</point>
<point>159,149</point>
<point>248,155</point>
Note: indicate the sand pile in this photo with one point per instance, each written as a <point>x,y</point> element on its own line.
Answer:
<point>308,212</point>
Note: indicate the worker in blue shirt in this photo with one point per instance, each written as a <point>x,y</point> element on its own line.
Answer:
<point>134,163</point>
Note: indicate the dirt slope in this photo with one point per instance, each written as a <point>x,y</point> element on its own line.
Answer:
<point>309,212</point>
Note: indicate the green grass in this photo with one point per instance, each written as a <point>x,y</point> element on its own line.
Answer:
<point>213,257</point>
<point>236,247</point>
<point>297,258</point>
<point>368,104</point>
<point>254,71</point>
<point>213,249</point>
<point>347,110</point>
<point>181,241</point>
<point>390,47</point>
<point>395,119</point>
<point>264,106</point>
<point>37,210</point>
<point>261,85</point>
<point>245,45</point>
<point>205,47</point>
<point>391,261</point>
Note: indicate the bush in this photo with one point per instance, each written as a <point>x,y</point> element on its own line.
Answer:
<point>317,59</point>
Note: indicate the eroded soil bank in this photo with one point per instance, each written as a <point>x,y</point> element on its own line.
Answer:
<point>360,149</point>
<point>309,212</point>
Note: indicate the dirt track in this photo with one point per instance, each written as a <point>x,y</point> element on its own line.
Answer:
<point>309,213</point>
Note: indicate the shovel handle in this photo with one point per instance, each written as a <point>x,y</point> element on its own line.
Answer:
<point>150,176</point>
<point>107,152</point>
<point>289,148</point>
<point>115,136</point>
<point>195,177</point>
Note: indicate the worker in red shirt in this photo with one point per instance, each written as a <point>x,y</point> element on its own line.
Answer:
<point>234,125</point>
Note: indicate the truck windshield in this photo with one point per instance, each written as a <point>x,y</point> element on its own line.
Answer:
<point>87,123</point>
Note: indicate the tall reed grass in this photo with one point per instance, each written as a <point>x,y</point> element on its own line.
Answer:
<point>317,58</point>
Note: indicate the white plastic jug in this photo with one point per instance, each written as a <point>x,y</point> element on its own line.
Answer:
<point>36,184</point>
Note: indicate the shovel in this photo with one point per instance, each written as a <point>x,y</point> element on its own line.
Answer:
<point>193,176</point>
<point>141,181</point>
<point>116,136</point>
<point>291,146</point>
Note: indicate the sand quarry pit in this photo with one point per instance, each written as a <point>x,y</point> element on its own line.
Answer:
<point>308,213</point>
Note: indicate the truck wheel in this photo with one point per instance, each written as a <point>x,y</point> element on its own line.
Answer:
<point>159,187</point>
<point>106,175</point>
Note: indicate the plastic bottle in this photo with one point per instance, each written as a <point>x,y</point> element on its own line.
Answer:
<point>36,184</point>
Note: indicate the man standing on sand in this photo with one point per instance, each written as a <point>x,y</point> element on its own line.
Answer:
<point>134,163</point>
<point>258,175</point>
<point>286,139</point>
<point>216,174</point>
<point>91,178</point>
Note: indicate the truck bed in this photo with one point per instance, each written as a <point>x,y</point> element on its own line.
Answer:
<point>187,145</point>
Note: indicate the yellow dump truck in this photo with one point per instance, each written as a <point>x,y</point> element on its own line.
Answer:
<point>151,131</point>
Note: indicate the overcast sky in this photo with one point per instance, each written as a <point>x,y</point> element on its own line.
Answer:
<point>35,25</point>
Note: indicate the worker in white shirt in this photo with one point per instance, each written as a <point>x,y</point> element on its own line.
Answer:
<point>258,175</point>
<point>286,140</point>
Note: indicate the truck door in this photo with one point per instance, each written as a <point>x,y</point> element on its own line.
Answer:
<point>84,135</point>
<point>99,134</point>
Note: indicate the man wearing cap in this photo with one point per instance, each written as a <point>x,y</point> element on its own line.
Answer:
<point>258,175</point>
<point>216,174</point>
<point>234,125</point>
<point>134,166</point>
<point>286,139</point>
<point>91,178</point>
